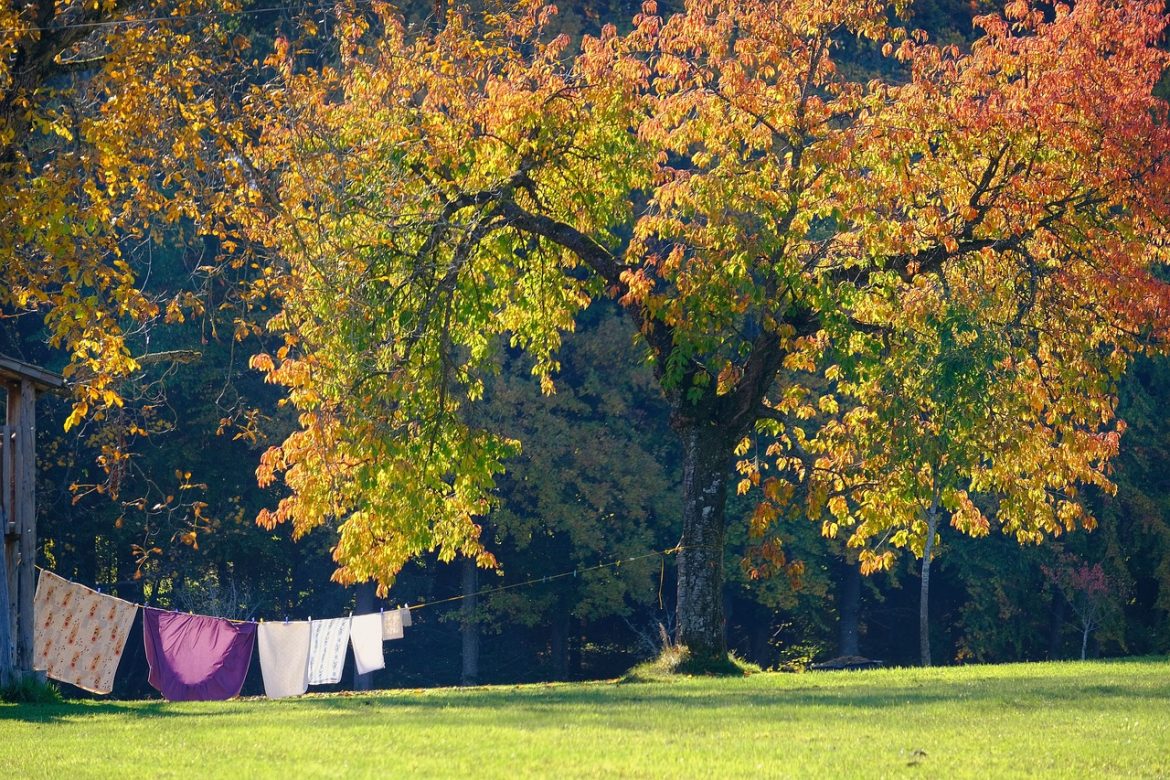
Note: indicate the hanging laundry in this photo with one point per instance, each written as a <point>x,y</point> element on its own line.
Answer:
<point>366,637</point>
<point>393,622</point>
<point>194,657</point>
<point>327,642</point>
<point>79,634</point>
<point>284,658</point>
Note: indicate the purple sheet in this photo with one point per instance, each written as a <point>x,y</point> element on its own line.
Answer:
<point>194,657</point>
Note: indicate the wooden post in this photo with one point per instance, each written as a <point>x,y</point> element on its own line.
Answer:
<point>7,645</point>
<point>26,462</point>
<point>8,527</point>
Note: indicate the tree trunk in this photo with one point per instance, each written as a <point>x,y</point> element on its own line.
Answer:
<point>363,605</point>
<point>469,625</point>
<point>559,643</point>
<point>1085,640</point>
<point>924,596</point>
<point>849,609</point>
<point>706,464</point>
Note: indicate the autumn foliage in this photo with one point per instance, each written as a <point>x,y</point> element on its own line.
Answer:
<point>112,131</point>
<point>875,301</point>
<point>882,295</point>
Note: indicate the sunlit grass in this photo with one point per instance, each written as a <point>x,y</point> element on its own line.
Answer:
<point>1063,720</point>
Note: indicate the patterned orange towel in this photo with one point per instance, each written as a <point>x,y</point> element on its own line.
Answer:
<point>79,634</point>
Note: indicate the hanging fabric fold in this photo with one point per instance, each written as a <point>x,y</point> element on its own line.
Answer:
<point>79,634</point>
<point>194,657</point>
<point>365,635</point>
<point>284,658</point>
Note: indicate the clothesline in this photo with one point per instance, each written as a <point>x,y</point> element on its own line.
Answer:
<point>139,605</point>
<point>483,592</point>
<point>551,577</point>
<point>81,635</point>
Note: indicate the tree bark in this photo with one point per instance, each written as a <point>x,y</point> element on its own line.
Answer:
<point>1085,640</point>
<point>849,609</point>
<point>469,625</point>
<point>924,595</point>
<point>706,464</point>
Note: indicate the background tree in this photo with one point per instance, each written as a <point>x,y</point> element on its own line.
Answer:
<point>565,505</point>
<point>1092,594</point>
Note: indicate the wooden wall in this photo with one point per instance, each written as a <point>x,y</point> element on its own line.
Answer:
<point>18,522</point>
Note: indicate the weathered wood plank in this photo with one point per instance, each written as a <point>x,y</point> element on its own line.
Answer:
<point>7,518</point>
<point>26,464</point>
<point>8,555</point>
<point>7,639</point>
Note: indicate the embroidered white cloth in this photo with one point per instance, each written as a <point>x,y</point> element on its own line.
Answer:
<point>79,634</point>
<point>393,623</point>
<point>366,637</point>
<point>284,658</point>
<point>327,642</point>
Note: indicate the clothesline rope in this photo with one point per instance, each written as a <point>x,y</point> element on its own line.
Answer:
<point>562,575</point>
<point>488,591</point>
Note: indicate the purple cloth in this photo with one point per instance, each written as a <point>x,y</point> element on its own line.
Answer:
<point>194,657</point>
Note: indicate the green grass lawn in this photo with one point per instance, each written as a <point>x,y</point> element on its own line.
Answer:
<point>1081,720</point>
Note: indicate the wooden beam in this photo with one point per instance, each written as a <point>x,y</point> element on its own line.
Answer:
<point>11,368</point>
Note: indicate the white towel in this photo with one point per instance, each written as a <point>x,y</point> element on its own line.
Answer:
<point>284,658</point>
<point>327,642</point>
<point>393,623</point>
<point>366,637</point>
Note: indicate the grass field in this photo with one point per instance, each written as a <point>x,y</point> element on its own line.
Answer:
<point>1079,720</point>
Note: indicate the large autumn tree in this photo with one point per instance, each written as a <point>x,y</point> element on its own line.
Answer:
<point>776,230</point>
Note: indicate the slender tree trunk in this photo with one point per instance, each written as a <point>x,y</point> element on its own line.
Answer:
<point>469,624</point>
<point>849,609</point>
<point>924,596</point>
<point>1085,640</point>
<point>363,605</point>
<point>700,561</point>
<point>559,644</point>
<point>578,635</point>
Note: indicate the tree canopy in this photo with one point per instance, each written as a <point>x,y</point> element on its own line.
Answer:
<point>965,255</point>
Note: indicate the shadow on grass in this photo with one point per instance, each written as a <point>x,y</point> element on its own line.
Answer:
<point>551,704</point>
<point>50,713</point>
